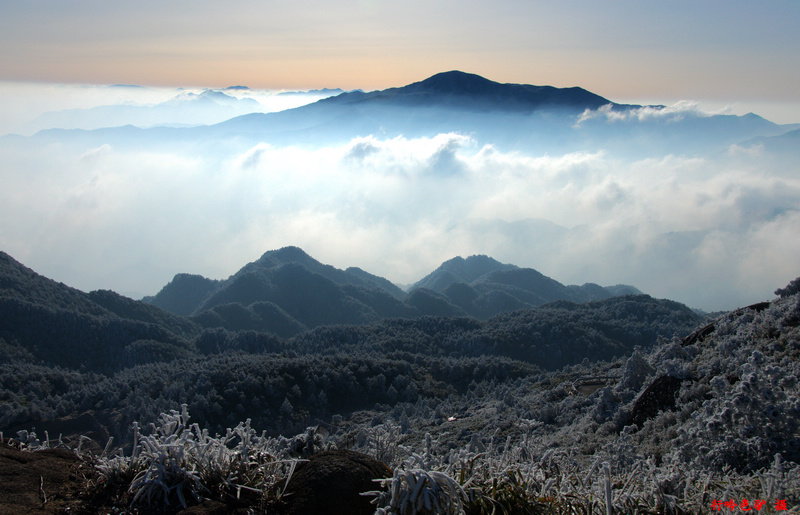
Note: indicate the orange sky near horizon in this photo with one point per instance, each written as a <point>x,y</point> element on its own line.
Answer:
<point>719,49</point>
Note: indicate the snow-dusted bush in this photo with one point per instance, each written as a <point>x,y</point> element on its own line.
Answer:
<point>414,491</point>
<point>182,462</point>
<point>793,288</point>
<point>303,445</point>
<point>746,394</point>
<point>635,372</point>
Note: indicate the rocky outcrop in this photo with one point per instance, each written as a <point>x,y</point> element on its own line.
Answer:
<point>331,483</point>
<point>659,396</point>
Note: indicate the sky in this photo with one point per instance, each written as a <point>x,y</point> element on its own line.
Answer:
<point>725,51</point>
<point>713,232</point>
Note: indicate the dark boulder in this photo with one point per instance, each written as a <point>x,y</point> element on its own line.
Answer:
<point>659,396</point>
<point>331,483</point>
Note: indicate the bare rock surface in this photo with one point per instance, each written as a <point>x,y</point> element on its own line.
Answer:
<point>331,483</point>
<point>659,396</point>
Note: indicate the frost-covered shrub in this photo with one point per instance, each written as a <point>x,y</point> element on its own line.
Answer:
<point>414,491</point>
<point>635,373</point>
<point>305,445</point>
<point>793,288</point>
<point>606,405</point>
<point>181,462</point>
<point>745,393</point>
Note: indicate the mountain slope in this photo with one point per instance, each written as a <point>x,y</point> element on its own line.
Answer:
<point>286,291</point>
<point>352,275</point>
<point>459,269</point>
<point>483,287</point>
<point>256,281</point>
<point>787,143</point>
<point>183,294</point>
<point>20,282</point>
<point>43,321</point>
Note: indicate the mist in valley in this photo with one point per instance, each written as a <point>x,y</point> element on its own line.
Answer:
<point>683,204</point>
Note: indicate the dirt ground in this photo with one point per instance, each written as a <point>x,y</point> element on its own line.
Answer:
<point>49,481</point>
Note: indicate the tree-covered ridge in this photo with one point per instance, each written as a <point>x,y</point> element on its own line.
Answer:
<point>460,270</point>
<point>551,336</point>
<point>20,282</point>
<point>48,323</point>
<point>42,321</point>
<point>287,292</point>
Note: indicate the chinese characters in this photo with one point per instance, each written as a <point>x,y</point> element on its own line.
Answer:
<point>747,505</point>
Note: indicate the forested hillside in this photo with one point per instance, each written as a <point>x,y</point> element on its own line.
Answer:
<point>287,292</point>
<point>690,425</point>
<point>113,360</point>
<point>49,323</point>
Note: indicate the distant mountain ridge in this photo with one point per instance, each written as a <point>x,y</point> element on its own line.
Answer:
<point>185,109</point>
<point>286,292</point>
<point>462,270</point>
<point>471,91</point>
<point>519,117</point>
<point>483,287</point>
<point>539,119</point>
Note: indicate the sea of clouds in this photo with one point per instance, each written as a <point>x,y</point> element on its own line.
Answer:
<point>714,232</point>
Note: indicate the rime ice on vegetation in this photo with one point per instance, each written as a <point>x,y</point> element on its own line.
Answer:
<point>537,442</point>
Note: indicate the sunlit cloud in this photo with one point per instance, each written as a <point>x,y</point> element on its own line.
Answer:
<point>674,226</point>
<point>674,112</point>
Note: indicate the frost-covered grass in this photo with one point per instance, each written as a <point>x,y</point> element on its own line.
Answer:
<point>519,480</point>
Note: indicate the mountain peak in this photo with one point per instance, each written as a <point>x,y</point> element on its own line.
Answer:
<point>459,269</point>
<point>288,254</point>
<point>456,82</point>
<point>468,90</point>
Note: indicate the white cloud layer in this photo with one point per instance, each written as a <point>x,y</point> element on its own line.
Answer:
<point>713,234</point>
<point>672,112</point>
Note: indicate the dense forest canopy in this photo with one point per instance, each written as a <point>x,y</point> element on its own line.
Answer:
<point>69,353</point>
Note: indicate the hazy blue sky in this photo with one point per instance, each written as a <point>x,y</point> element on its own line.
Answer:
<point>722,50</point>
